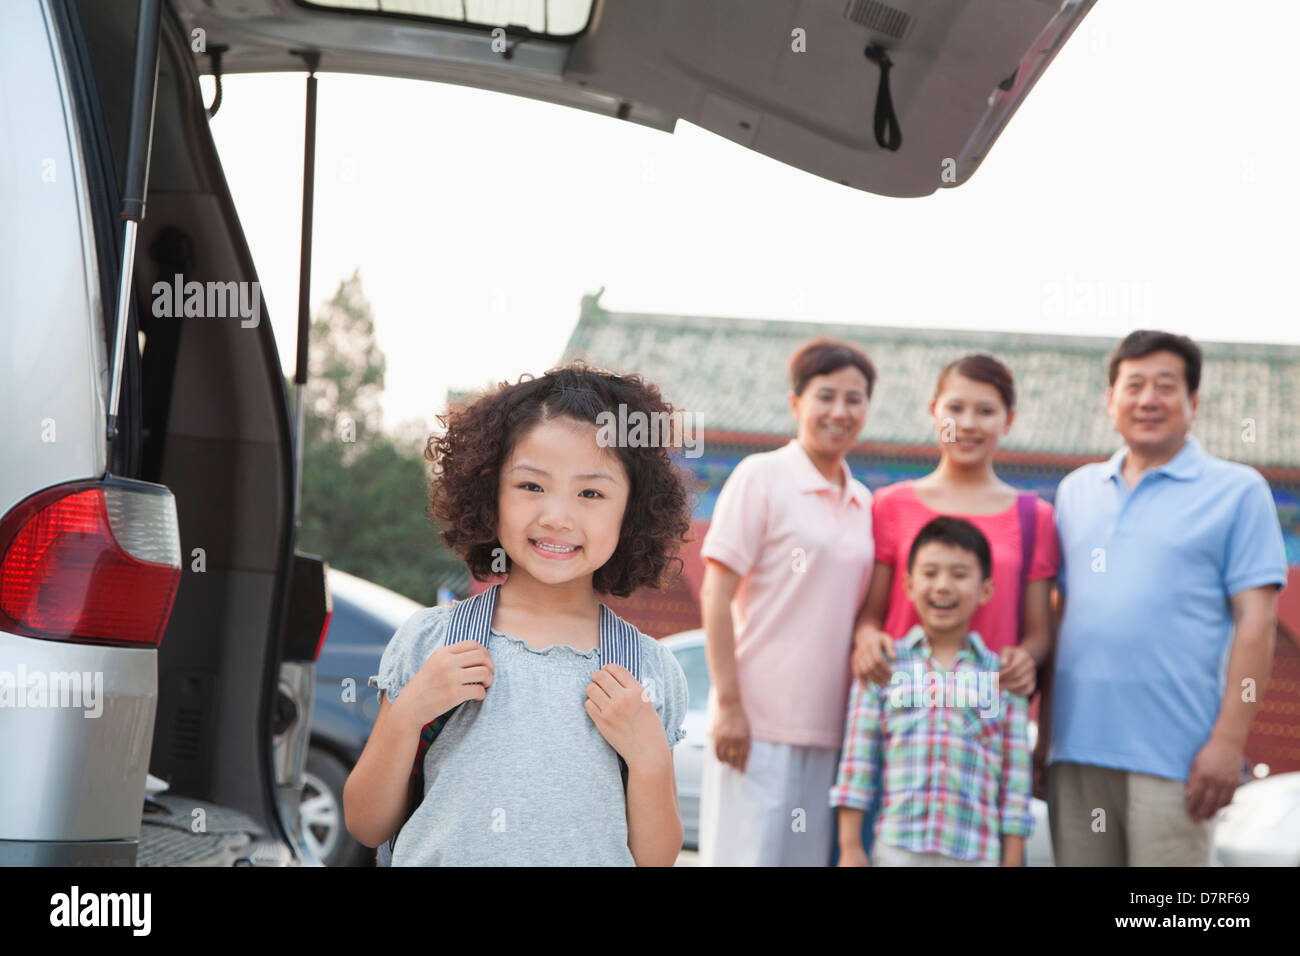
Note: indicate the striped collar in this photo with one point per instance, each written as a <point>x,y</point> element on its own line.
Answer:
<point>471,619</point>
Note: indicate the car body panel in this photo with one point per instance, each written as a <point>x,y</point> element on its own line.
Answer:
<point>197,709</point>
<point>1261,826</point>
<point>52,410</point>
<point>72,774</point>
<point>295,696</point>
<point>80,778</point>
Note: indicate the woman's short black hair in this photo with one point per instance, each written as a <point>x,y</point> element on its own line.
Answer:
<point>479,437</point>
<point>957,532</point>
<point>821,356</point>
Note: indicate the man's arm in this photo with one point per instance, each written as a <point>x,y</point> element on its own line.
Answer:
<point>1044,742</point>
<point>1216,770</point>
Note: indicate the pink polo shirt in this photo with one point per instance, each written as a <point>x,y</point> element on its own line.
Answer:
<point>804,551</point>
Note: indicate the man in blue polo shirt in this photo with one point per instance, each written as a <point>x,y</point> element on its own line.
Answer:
<point>1171,561</point>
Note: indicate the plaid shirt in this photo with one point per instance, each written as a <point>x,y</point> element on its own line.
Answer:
<point>955,778</point>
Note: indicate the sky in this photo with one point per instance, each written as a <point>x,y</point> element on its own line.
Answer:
<point>1147,181</point>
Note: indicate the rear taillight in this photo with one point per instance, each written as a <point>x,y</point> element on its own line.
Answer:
<point>310,609</point>
<point>325,629</point>
<point>92,561</point>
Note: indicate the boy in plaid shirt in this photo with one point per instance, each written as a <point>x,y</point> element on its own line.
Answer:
<point>948,749</point>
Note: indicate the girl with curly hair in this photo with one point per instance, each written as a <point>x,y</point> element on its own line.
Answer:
<point>543,756</point>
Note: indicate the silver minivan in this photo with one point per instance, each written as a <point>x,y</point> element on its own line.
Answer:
<point>155,619</point>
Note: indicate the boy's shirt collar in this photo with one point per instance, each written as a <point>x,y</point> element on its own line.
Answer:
<point>917,644</point>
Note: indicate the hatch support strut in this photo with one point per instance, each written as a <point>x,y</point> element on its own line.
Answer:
<point>144,86</point>
<point>312,60</point>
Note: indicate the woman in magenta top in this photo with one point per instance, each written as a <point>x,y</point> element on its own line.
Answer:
<point>973,407</point>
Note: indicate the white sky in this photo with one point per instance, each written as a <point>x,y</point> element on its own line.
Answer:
<point>1153,164</point>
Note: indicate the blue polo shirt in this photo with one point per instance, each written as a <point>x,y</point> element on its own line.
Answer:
<point>1148,575</point>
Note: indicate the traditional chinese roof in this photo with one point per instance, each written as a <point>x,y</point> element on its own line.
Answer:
<point>732,374</point>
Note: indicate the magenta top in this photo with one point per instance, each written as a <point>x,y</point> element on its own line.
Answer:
<point>898,514</point>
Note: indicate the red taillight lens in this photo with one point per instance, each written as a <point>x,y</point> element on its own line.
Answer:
<point>323,631</point>
<point>95,562</point>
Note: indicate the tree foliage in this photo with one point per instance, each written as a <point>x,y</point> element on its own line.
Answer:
<point>364,492</point>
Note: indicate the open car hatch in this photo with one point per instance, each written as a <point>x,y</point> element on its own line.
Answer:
<point>898,98</point>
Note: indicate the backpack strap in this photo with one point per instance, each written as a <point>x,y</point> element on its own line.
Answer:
<point>619,643</point>
<point>471,619</point>
<point>1027,511</point>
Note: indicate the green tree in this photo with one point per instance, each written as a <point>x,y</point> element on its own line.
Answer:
<point>364,494</point>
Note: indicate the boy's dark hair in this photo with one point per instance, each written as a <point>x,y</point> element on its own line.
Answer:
<point>821,356</point>
<point>981,367</point>
<point>479,437</point>
<point>1144,342</point>
<point>957,532</point>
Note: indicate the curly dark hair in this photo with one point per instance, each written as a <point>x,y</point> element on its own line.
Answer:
<point>479,436</point>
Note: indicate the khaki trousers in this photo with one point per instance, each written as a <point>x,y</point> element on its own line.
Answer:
<point>1105,817</point>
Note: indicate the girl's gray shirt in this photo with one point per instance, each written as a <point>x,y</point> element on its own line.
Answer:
<point>523,777</point>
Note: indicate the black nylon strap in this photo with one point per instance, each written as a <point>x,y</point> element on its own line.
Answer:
<point>887,132</point>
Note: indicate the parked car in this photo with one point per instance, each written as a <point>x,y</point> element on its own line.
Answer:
<point>1261,827</point>
<point>688,755</point>
<point>365,618</point>
<point>149,484</point>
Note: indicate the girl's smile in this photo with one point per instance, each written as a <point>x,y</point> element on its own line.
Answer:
<point>554,550</point>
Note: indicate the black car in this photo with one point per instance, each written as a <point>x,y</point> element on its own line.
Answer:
<point>365,618</point>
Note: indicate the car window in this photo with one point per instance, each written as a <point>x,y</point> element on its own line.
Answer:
<point>555,18</point>
<point>696,667</point>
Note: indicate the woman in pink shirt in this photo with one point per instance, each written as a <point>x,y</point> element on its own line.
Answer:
<point>974,406</point>
<point>788,560</point>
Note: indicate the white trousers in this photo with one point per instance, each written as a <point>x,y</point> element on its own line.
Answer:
<point>776,813</point>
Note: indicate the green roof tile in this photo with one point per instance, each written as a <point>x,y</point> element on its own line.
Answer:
<point>732,373</point>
